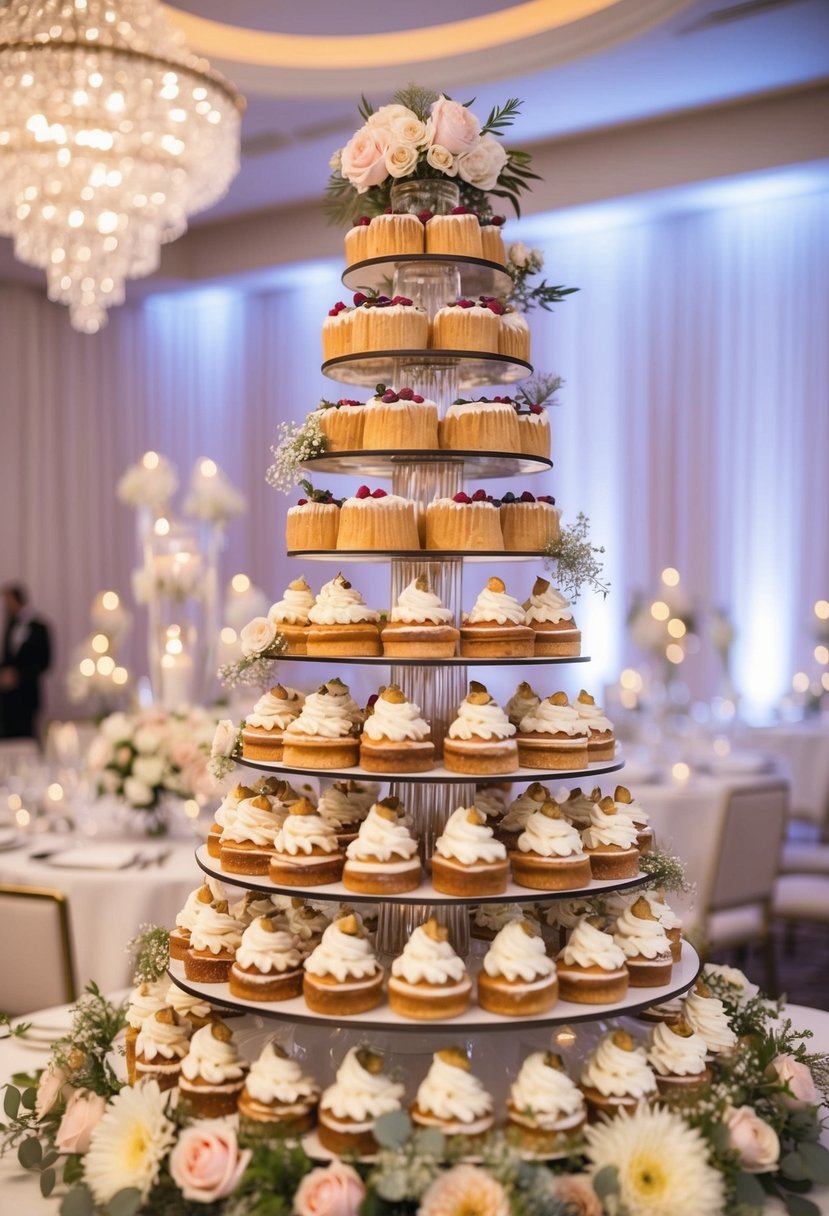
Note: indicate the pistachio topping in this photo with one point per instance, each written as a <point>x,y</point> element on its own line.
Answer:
<point>558,698</point>
<point>261,802</point>
<point>623,1040</point>
<point>372,1061</point>
<point>585,698</point>
<point>607,805</point>
<point>221,1032</point>
<point>302,807</point>
<point>496,584</point>
<point>551,809</point>
<point>394,695</point>
<point>454,1056</point>
<point>438,933</point>
<point>351,926</point>
<point>623,794</point>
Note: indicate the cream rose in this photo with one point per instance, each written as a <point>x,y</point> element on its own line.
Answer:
<point>224,739</point>
<point>363,160</point>
<point>454,126</point>
<point>754,1141</point>
<point>401,159</point>
<point>257,636</point>
<point>116,728</point>
<point>576,1190</point>
<point>137,793</point>
<point>519,254</point>
<point>149,769</point>
<point>336,1190</point>
<point>385,118</point>
<point>409,129</point>
<point>483,164</point>
<point>441,158</point>
<point>207,1163</point>
<point>147,741</point>
<point>802,1089</point>
<point>83,1113</point>
<point>49,1087</point>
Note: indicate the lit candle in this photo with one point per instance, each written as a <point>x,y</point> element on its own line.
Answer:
<point>176,681</point>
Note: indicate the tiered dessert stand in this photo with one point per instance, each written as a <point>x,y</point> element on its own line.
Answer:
<point>437,686</point>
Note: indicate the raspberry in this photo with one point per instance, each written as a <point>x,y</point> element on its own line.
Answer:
<point>425,216</point>
<point>302,502</point>
<point>498,220</point>
<point>379,494</point>
<point>363,221</point>
<point>479,496</point>
<point>416,397</point>
<point>359,299</point>
<point>363,492</point>
<point>459,211</point>
<point>527,497</point>
<point>406,394</point>
<point>536,409</point>
<point>464,498</point>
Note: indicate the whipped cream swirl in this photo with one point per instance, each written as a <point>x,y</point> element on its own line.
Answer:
<point>522,702</point>
<point>305,833</point>
<point>497,606</point>
<point>274,712</point>
<point>324,716</point>
<point>547,1093</point>
<point>343,955</point>
<point>268,950</point>
<point>417,607</point>
<point>216,931</point>
<point>212,1059</point>
<point>293,608</point>
<point>257,824</point>
<point>549,837</point>
<point>706,1015</point>
<point>617,1073</point>
<point>338,603</point>
<point>616,829</point>
<point>449,1092</point>
<point>274,1078</point>
<point>481,722</point>
<point>591,947</point>
<point>382,839</point>
<point>144,1001</point>
<point>550,607</point>
<point>675,1054</point>
<point>465,840</point>
<point>360,1095</point>
<point>396,720</point>
<point>550,719</point>
<point>165,1039</point>
<point>517,954</point>
<point>640,938</point>
<point>425,960</point>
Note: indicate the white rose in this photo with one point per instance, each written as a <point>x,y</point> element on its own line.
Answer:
<point>149,769</point>
<point>482,166</point>
<point>408,129</point>
<point>362,160</point>
<point>385,118</point>
<point>224,739</point>
<point>754,1140</point>
<point>147,741</point>
<point>137,793</point>
<point>116,728</point>
<point>257,636</point>
<point>802,1089</point>
<point>519,254</point>
<point>733,976</point>
<point>441,158</point>
<point>455,126</point>
<point>401,160</point>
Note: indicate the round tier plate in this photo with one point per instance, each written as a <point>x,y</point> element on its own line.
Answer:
<point>385,660</point>
<point>685,973</point>
<point>411,555</point>
<point>438,775</point>
<point>475,368</point>
<point>479,277</point>
<point>384,463</point>
<point>424,894</point>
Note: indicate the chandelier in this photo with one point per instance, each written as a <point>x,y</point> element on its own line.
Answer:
<point>111,134</point>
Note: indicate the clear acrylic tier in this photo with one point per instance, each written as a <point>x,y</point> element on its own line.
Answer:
<point>386,462</point>
<point>473,276</point>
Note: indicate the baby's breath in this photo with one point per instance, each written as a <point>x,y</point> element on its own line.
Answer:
<point>151,952</point>
<point>576,559</point>
<point>665,871</point>
<point>297,442</point>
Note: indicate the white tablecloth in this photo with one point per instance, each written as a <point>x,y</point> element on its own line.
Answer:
<point>802,750</point>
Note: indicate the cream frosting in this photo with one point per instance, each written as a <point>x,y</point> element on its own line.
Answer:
<point>212,1059</point>
<point>272,712</point>
<point>677,1055</point>
<point>706,1015</point>
<point>498,606</point>
<point>495,916</point>
<point>169,1040</point>
<point>460,408</point>
<point>640,938</point>
<point>550,607</point>
<point>549,1094</point>
<point>522,702</point>
<point>480,722</point>
<point>517,954</point>
<point>275,1078</point>
<point>297,600</point>
<point>382,838</point>
<point>380,504</point>
<point>417,606</point>
<point>548,837</point>
<point>268,948</point>
<point>325,716</point>
<point>427,960</point>
<point>360,1095</point>
<point>304,833</point>
<point>343,804</point>
<point>452,1093</point>
<point>568,912</point>
<point>489,802</point>
<point>593,715</point>
<point>514,320</point>
<point>338,603</point>
<point>398,721</point>
<point>254,904</point>
<point>617,1073</point>
<point>666,916</point>
<point>551,719</point>
<point>520,809</point>
<point>255,824</point>
<point>216,931</point>
<point>609,829</point>
<point>305,921</point>
<point>343,955</point>
<point>465,840</point>
<point>145,1000</point>
<point>591,947</point>
<point>579,807</point>
<point>185,1004</point>
<point>186,918</point>
<point>226,810</point>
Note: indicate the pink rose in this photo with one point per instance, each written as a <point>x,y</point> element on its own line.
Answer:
<point>754,1141</point>
<point>483,163</point>
<point>83,1113</point>
<point>206,1163</point>
<point>363,159</point>
<point>336,1190</point>
<point>801,1083</point>
<point>454,127</point>
<point>198,780</point>
<point>183,752</point>
<point>52,1080</point>
<point>576,1190</point>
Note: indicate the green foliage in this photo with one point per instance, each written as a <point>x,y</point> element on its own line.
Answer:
<point>664,870</point>
<point>576,559</point>
<point>84,1052</point>
<point>10,1029</point>
<point>540,390</point>
<point>271,1179</point>
<point>416,98</point>
<point>151,953</point>
<point>501,117</point>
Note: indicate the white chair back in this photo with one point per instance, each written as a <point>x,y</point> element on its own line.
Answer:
<point>749,852</point>
<point>36,961</point>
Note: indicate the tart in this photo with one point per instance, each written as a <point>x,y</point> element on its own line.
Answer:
<point>479,740</point>
<point>552,736</point>
<point>212,1073</point>
<point>265,724</point>
<point>290,615</point>
<point>646,947</point>
<point>340,623</point>
<point>601,742</point>
<point>677,1056</point>
<point>268,964</point>
<point>395,738</point>
<point>550,617</point>
<point>247,843</point>
<point>224,815</point>
<point>591,967</point>
<point>163,1042</point>
<point>485,425</point>
<point>214,940</point>
<point>419,626</point>
<point>495,627</point>
<point>472,325</point>
<point>452,1100</point>
<point>610,842</point>
<point>392,324</point>
<point>375,520</point>
<point>278,1099</point>
<point>464,524</point>
<point>361,1093</point>
<point>306,851</point>
<point>428,980</point>
<point>528,524</point>
<point>518,978</point>
<point>549,855</point>
<point>325,733</point>
<point>402,420</point>
<point>341,422</point>
<point>313,523</point>
<point>467,859</point>
<point>509,828</point>
<point>458,233</point>
<point>342,975</point>
<point>514,335</point>
<point>545,1109</point>
<point>383,859</point>
<point>616,1075</point>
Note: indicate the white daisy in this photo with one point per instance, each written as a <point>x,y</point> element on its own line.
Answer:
<point>662,1164</point>
<point>129,1143</point>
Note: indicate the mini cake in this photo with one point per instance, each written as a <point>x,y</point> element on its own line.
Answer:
<point>162,1043</point>
<point>545,1108</point>
<point>669,921</point>
<point>495,627</point>
<point>646,948</point>
<point>325,734</point>
<point>395,738</point>
<point>268,964</point>
<point>510,827</point>
<point>419,626</point>
<point>361,1093</point>
<point>601,743</point>
<point>677,1056</point>
<point>344,807</point>
<point>186,918</point>
<point>706,1014</point>
<point>214,939</point>
<point>383,859</point>
<point>553,736</point>
<point>341,423</point>
<point>144,1001</point>
<point>458,233</point>
<point>489,919</point>
<point>491,799</point>
<point>306,851</point>
<point>616,1076</point>
<point>514,336</point>
<point>393,324</point>
<point>247,843</point>
<point>472,325</point>
<point>523,701</point>
<point>550,617</point>
<point>394,234</point>
<point>549,855</point>
<point>610,842</point>
<point>224,815</point>
<point>579,806</point>
<point>485,425</point>
<point>356,241</point>
<point>278,1100</point>
<point>428,980</point>
<point>307,921</point>
<point>212,1073</point>
<point>591,967</point>
<point>342,974</point>
<point>290,615</point>
<point>492,242</point>
<point>452,1100</point>
<point>265,724</point>
<point>467,859</point>
<point>313,523</point>
<point>529,524</point>
<point>338,332</point>
<point>668,1011</point>
<point>254,904</point>
<point>195,1011</point>
<point>339,623</point>
<point>400,420</point>
<point>518,978</point>
<point>480,738</point>
<point>533,430</point>
<point>639,816</point>
<point>377,520</point>
<point>463,524</point>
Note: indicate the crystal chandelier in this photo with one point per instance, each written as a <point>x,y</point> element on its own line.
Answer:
<point>111,133</point>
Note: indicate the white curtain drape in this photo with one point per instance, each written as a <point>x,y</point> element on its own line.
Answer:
<point>694,428</point>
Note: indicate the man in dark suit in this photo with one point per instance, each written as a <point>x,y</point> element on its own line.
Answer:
<point>26,655</point>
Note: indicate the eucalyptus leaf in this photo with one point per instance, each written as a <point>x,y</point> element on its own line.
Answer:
<point>28,1098</point>
<point>749,1191</point>
<point>30,1153</point>
<point>815,1159</point>
<point>606,1182</point>
<point>124,1203</point>
<point>431,1142</point>
<point>793,1166</point>
<point>78,1202</point>
<point>392,1129</point>
<point>11,1101</point>
<point>47,1183</point>
<point>797,1205</point>
<point>49,1158</point>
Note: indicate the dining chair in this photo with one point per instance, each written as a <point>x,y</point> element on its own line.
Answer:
<point>36,959</point>
<point>800,899</point>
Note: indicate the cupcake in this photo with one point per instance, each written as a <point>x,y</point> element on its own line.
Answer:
<point>616,1076</point>
<point>338,332</point>
<point>194,1011</point>
<point>667,1011</point>
<point>488,920</point>
<point>552,736</point>
<point>578,808</point>
<point>452,1100</point>
<point>266,723</point>
<point>344,807</point>
<point>313,522</point>
<point>214,939</point>
<point>522,702</point>
<point>706,1014</point>
<point>545,1108</point>
<point>458,233</point>
<point>387,324</point>
<point>485,425</point>
<point>383,859</point>
<point>591,967</point>
<point>678,1058</point>
<point>254,904</point>
<point>186,918</point>
<point>514,336</point>
<point>145,1000</point>
<point>402,420</point>
<point>361,1093</point>
<point>509,828</point>
<point>495,626</point>
<point>479,740</point>
<point>357,242</point>
<point>268,964</point>
<point>429,980</point>
<point>339,623</point>
<point>306,852</point>
<point>375,520</point>
<point>467,859</point>
<point>278,1099</point>
<point>307,921</point>
<point>341,422</point>
<point>223,816</point>
<point>669,921</point>
<point>419,626</point>
<point>247,844</point>
<point>639,816</point>
<point>342,975</point>
<point>465,524</point>
<point>395,738</point>
<point>549,855</point>
<point>492,242</point>
<point>468,325</point>
<point>644,943</point>
<point>550,617</point>
<point>601,742</point>
<point>533,430</point>
<point>610,842</point>
<point>528,523</point>
<point>394,234</point>
<point>212,1073</point>
<point>325,733</point>
<point>518,978</point>
<point>163,1042</point>
<point>290,615</point>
